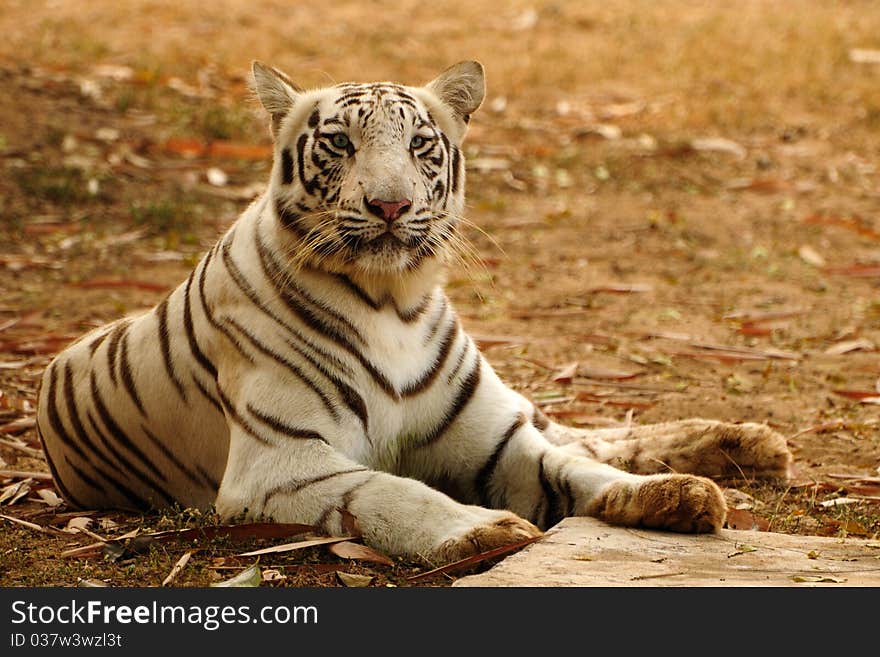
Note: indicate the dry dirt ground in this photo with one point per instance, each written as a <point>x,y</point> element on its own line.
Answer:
<point>679,197</point>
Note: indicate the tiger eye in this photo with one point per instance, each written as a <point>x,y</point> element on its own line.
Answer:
<point>340,140</point>
<point>417,142</point>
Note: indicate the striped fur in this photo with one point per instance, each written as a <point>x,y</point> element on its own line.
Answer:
<point>311,364</point>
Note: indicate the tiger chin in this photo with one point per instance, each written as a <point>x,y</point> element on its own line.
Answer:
<point>311,366</point>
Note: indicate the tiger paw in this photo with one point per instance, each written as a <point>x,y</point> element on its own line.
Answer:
<point>506,529</point>
<point>752,450</point>
<point>681,503</point>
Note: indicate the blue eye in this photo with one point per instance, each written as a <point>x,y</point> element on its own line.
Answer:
<point>340,141</point>
<point>417,142</point>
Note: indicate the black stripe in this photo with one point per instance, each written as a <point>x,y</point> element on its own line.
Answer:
<point>406,316</point>
<point>65,493</point>
<point>485,474</point>
<point>192,476</point>
<point>165,346</point>
<point>539,420</point>
<point>112,348</point>
<point>351,398</point>
<point>207,478</point>
<point>295,487</point>
<point>122,439</point>
<point>456,168</point>
<point>292,367</point>
<point>207,395</point>
<point>73,413</point>
<point>435,325</point>
<point>94,344</point>
<point>137,501</point>
<point>286,167</point>
<point>467,390</point>
<point>96,485</point>
<point>460,361</point>
<point>55,418</point>
<point>553,511</point>
<point>248,290</point>
<point>304,305</point>
<point>271,271</point>
<point>197,353</point>
<point>314,118</point>
<point>440,359</point>
<point>233,415</point>
<point>279,426</point>
<point>289,219</point>
<point>209,315</point>
<point>127,379</point>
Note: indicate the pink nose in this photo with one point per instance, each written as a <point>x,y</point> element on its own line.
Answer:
<point>388,210</point>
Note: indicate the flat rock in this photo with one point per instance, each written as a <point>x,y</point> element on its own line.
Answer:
<point>588,552</point>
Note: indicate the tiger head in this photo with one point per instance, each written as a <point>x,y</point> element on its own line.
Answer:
<point>369,178</point>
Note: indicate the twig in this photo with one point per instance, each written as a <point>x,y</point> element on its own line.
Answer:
<point>21,447</point>
<point>638,577</point>
<point>477,558</point>
<point>175,571</point>
<point>21,474</point>
<point>25,523</point>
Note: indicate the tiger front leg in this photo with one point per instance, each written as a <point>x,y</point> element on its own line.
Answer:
<point>307,481</point>
<point>518,469</point>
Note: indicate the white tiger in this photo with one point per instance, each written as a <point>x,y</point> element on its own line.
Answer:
<point>311,364</point>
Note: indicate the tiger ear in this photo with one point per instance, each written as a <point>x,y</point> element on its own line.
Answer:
<point>461,87</point>
<point>276,92</point>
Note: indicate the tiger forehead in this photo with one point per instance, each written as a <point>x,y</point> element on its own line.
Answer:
<point>372,104</point>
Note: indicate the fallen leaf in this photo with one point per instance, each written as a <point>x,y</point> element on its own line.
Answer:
<point>120,282</point>
<point>349,550</point>
<point>851,223</point>
<point>765,185</point>
<point>299,545</point>
<point>49,497</point>
<point>594,372</point>
<point>91,582</point>
<point>856,271</point>
<point>719,145</point>
<point>809,255</point>
<point>249,577</point>
<point>15,492</point>
<point>74,525</point>
<point>566,373</point>
<point>272,575</point>
<point>742,549</point>
<point>838,501</point>
<point>350,523</point>
<point>818,578</point>
<point>864,56</point>
<point>850,345</point>
<point>217,177</point>
<point>746,520</point>
<point>863,396</point>
<point>353,579</point>
<point>621,288</point>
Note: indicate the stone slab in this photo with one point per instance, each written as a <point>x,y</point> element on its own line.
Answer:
<point>581,552</point>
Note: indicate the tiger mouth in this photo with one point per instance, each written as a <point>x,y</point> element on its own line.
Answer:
<point>385,242</point>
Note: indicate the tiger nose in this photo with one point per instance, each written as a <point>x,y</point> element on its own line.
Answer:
<point>388,210</point>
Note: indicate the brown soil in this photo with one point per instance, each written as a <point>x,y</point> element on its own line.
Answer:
<point>734,278</point>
